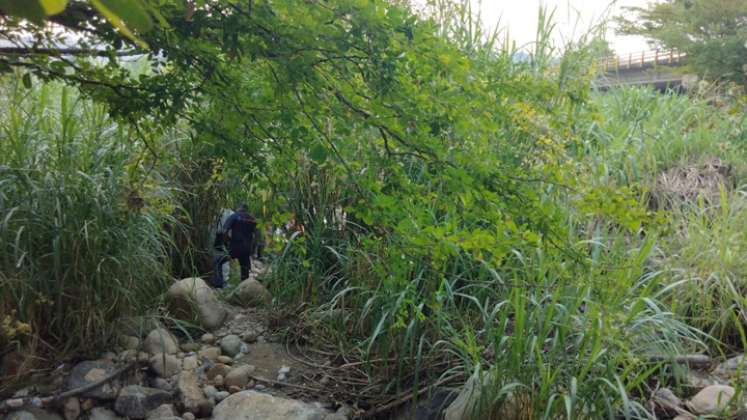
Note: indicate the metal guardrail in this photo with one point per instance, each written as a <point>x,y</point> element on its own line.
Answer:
<point>644,59</point>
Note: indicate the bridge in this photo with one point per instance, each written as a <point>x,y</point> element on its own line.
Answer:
<point>648,68</point>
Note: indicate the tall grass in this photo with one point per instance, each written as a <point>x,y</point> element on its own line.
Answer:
<point>82,234</point>
<point>554,341</point>
<point>703,260</point>
<point>634,134</point>
<point>637,135</point>
<point>200,197</point>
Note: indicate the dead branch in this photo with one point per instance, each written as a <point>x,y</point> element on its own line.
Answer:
<point>19,403</point>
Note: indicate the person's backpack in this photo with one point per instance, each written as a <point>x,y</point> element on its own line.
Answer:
<point>220,241</point>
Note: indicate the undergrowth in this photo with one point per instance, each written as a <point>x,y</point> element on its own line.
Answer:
<point>573,326</point>
<point>638,136</point>
<point>83,233</point>
<point>568,316</point>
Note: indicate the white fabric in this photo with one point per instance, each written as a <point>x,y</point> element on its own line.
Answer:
<point>225,214</point>
<point>219,226</point>
<point>226,269</point>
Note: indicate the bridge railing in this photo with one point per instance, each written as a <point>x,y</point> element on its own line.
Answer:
<point>642,60</point>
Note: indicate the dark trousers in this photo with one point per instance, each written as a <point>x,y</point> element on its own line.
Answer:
<point>218,261</point>
<point>245,261</point>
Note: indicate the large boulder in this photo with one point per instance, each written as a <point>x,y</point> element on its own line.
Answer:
<point>191,397</point>
<point>136,401</point>
<point>191,299</point>
<point>252,405</point>
<point>712,399</point>
<point>159,341</point>
<point>473,396</point>
<point>250,293</point>
<point>89,372</point>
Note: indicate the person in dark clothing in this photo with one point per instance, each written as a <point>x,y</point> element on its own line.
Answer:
<point>242,230</point>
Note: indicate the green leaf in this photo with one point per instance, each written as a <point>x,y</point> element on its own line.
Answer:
<point>318,153</point>
<point>34,10</point>
<point>27,80</point>
<point>58,66</point>
<point>132,12</point>
<point>52,7</point>
<point>116,20</point>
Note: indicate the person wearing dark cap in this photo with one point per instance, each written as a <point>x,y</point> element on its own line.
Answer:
<point>242,230</point>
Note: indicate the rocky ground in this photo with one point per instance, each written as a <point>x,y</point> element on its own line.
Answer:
<point>241,370</point>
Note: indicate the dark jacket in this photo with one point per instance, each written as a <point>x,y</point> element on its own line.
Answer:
<point>243,228</point>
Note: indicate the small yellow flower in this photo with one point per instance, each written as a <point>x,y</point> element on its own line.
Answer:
<point>11,327</point>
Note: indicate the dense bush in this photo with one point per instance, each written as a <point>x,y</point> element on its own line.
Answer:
<point>83,236</point>
<point>506,251</point>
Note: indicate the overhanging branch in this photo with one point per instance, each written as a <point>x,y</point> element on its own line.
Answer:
<point>56,52</point>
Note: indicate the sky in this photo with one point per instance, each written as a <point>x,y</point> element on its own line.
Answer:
<point>573,18</point>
